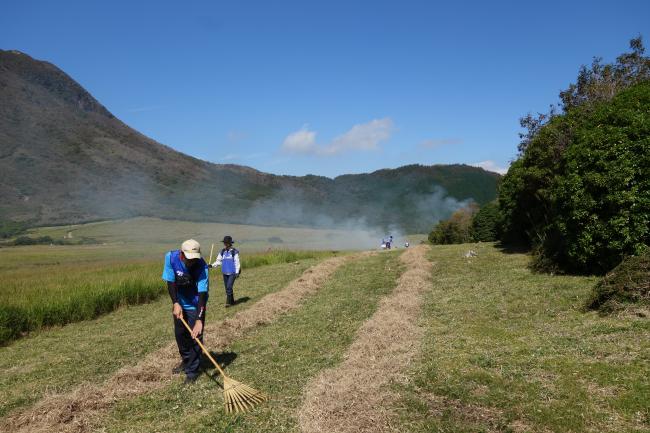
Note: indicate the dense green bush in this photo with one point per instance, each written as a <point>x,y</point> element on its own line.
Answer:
<point>486,223</point>
<point>627,283</point>
<point>580,192</point>
<point>456,229</point>
<point>26,240</point>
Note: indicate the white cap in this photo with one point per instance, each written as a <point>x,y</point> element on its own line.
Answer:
<point>191,249</point>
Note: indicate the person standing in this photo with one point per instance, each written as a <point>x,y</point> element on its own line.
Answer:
<point>230,264</point>
<point>186,274</point>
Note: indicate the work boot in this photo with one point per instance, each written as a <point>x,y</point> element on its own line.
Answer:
<point>178,369</point>
<point>190,380</point>
<point>227,304</point>
<point>231,299</point>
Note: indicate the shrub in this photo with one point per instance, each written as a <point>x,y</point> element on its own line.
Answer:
<point>456,229</point>
<point>627,283</point>
<point>486,223</point>
<point>26,240</point>
<point>275,240</point>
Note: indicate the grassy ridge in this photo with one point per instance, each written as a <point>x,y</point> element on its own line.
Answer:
<point>38,292</point>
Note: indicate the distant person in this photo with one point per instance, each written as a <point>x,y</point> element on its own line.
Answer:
<point>186,274</point>
<point>406,244</point>
<point>228,259</point>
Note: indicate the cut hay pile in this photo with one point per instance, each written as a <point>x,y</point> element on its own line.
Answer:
<point>355,397</point>
<point>627,284</point>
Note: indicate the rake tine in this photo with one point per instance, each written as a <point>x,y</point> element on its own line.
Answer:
<point>243,403</point>
<point>238,402</point>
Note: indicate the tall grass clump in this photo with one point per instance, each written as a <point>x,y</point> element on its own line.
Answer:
<point>49,288</point>
<point>87,301</point>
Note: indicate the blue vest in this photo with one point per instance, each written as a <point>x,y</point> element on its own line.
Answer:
<point>228,261</point>
<point>186,280</point>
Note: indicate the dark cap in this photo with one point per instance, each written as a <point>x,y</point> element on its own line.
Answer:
<point>228,240</point>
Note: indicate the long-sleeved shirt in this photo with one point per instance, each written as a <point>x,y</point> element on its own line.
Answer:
<point>228,259</point>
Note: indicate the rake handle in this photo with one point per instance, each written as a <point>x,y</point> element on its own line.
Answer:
<point>211,250</point>
<point>203,348</point>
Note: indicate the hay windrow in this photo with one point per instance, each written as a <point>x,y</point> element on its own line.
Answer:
<point>78,410</point>
<point>354,397</point>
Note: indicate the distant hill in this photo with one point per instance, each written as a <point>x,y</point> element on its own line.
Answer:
<point>64,158</point>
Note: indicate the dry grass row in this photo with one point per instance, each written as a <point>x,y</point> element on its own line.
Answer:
<point>355,397</point>
<point>79,410</point>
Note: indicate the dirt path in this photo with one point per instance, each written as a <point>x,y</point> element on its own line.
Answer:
<point>78,410</point>
<point>354,397</point>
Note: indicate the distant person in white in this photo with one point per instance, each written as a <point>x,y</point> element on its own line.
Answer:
<point>228,259</point>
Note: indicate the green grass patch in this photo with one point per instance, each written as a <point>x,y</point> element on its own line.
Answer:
<point>279,359</point>
<point>510,350</point>
<point>90,351</point>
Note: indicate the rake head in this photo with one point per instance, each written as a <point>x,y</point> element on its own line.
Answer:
<point>239,397</point>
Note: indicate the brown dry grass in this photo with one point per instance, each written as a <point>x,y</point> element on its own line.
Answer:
<point>78,410</point>
<point>355,397</point>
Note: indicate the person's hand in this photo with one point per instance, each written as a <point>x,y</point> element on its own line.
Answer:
<point>209,266</point>
<point>237,274</point>
<point>177,311</point>
<point>198,328</point>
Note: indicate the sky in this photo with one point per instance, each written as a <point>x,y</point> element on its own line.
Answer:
<point>328,87</point>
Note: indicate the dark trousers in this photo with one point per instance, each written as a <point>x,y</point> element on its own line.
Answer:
<point>189,350</point>
<point>229,282</point>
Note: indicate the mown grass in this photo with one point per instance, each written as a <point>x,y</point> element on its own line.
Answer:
<point>90,351</point>
<point>279,359</point>
<point>509,350</point>
<point>46,286</point>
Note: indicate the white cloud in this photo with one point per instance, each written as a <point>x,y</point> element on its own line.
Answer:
<point>301,141</point>
<point>364,136</point>
<point>490,165</point>
<point>437,142</point>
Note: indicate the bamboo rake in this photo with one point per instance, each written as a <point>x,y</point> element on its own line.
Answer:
<point>237,396</point>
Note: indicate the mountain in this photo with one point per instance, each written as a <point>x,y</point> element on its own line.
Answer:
<point>64,158</point>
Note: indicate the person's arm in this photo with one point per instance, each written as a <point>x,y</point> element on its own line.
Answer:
<point>237,264</point>
<point>168,275</point>
<point>202,287</point>
<point>218,261</point>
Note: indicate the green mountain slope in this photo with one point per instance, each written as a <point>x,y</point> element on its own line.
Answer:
<point>65,158</point>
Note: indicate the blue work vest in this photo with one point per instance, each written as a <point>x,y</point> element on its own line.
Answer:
<point>186,280</point>
<point>228,261</point>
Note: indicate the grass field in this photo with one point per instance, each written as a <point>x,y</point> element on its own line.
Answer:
<point>508,350</point>
<point>44,288</point>
<point>157,235</point>
<point>502,349</point>
<point>49,285</point>
<point>58,359</point>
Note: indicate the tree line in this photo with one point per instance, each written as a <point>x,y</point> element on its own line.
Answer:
<point>578,193</point>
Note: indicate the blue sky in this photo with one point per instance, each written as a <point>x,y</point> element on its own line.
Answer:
<point>328,87</point>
